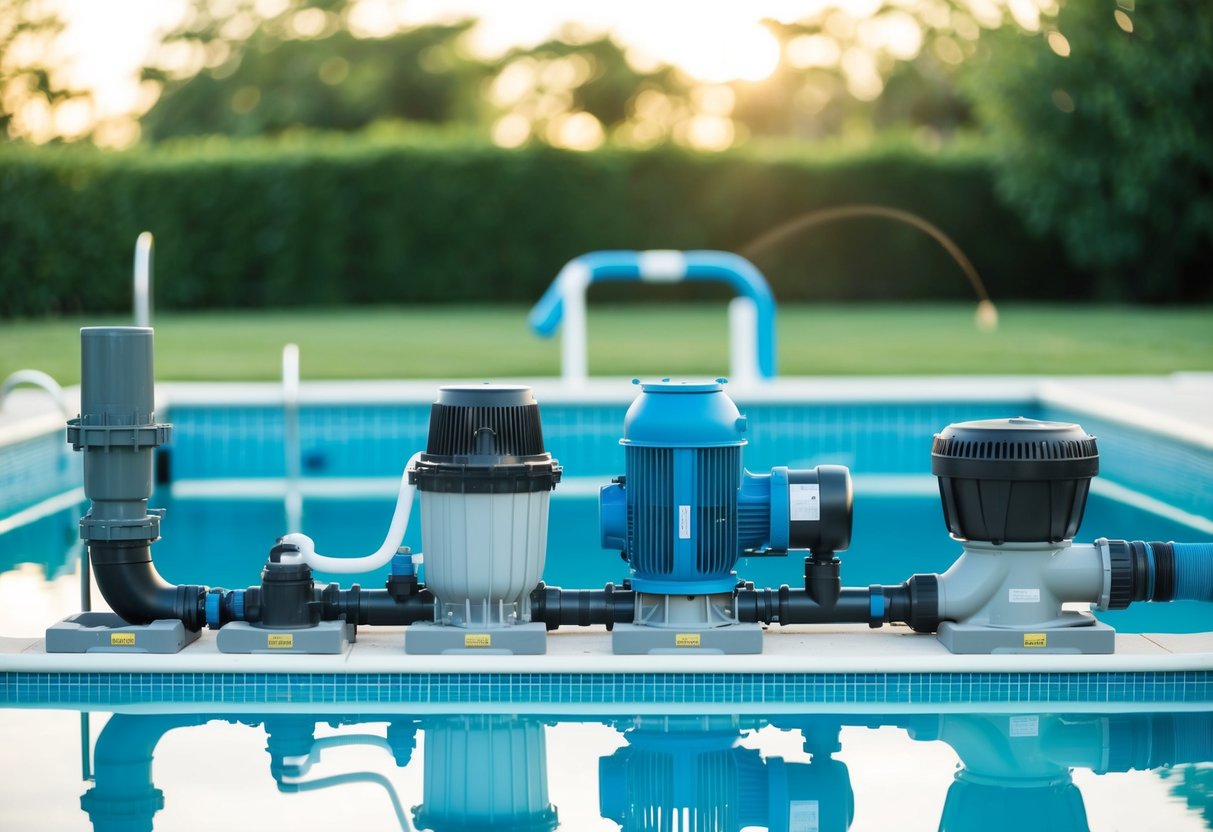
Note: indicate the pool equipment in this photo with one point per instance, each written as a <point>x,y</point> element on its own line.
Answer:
<point>117,431</point>
<point>685,511</point>
<point>485,482</point>
<point>1013,493</point>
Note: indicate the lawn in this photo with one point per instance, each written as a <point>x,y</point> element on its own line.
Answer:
<point>494,342</point>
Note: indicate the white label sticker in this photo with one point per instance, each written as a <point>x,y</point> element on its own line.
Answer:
<point>684,522</point>
<point>804,501</point>
<point>1023,596</point>
<point>1025,726</point>
<point>804,816</point>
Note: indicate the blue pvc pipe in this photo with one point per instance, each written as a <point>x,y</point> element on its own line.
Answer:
<point>717,266</point>
<point>1193,571</point>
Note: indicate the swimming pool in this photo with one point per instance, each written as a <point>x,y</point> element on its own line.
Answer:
<point>599,749</point>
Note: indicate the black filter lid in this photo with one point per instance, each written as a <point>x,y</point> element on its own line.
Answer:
<point>1014,480</point>
<point>485,438</point>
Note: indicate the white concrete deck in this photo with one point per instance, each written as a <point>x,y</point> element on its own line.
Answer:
<point>794,649</point>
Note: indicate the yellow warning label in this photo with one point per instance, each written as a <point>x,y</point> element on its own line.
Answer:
<point>477,640</point>
<point>1035,640</point>
<point>686,639</point>
<point>122,639</point>
<point>280,641</point>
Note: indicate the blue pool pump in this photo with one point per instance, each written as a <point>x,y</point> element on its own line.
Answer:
<point>686,510</point>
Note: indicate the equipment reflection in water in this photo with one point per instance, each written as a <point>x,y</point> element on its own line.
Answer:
<point>679,772</point>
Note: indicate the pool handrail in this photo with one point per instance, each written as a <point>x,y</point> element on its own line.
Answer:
<point>142,279</point>
<point>751,313</point>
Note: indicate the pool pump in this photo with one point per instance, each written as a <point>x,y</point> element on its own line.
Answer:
<point>485,482</point>
<point>686,510</point>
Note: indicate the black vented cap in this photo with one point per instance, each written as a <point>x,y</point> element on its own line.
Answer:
<point>485,438</point>
<point>1014,480</point>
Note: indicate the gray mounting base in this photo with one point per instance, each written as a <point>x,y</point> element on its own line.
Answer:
<point>327,637</point>
<point>637,639</point>
<point>105,632</point>
<point>1095,637</point>
<point>429,639</point>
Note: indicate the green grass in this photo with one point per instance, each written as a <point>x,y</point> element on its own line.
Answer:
<point>484,342</point>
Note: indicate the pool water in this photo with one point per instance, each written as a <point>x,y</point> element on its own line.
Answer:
<point>809,772</point>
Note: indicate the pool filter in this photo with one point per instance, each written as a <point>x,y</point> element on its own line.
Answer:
<point>1013,493</point>
<point>484,485</point>
<point>686,510</point>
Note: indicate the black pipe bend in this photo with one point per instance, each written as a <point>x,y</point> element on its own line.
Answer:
<point>130,584</point>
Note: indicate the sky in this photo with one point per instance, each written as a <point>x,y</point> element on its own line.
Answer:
<point>713,40</point>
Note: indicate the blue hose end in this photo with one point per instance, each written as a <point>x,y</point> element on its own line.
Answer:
<point>237,604</point>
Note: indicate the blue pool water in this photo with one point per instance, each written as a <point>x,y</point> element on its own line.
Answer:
<point>798,772</point>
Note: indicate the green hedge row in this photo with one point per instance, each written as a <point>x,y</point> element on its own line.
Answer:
<point>366,220</point>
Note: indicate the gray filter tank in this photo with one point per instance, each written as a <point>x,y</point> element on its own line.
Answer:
<point>484,484</point>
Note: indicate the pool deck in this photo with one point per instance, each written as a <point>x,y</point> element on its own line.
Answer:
<point>843,648</point>
<point>1178,405</point>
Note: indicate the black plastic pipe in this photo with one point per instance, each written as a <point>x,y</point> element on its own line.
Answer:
<point>128,580</point>
<point>582,607</point>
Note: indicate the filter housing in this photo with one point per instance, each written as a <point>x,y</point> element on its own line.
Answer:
<point>1014,480</point>
<point>484,485</point>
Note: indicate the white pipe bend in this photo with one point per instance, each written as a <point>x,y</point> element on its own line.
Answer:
<point>367,563</point>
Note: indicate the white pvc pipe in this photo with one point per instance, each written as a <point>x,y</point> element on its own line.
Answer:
<point>143,279</point>
<point>367,563</point>
<point>290,443</point>
<point>574,281</point>
<point>743,341</point>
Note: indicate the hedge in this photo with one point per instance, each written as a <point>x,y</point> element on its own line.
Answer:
<point>358,220</point>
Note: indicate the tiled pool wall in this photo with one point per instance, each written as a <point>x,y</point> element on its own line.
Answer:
<point>36,468</point>
<point>1172,470</point>
<point>870,438</point>
<point>376,440</point>
<point>742,689</point>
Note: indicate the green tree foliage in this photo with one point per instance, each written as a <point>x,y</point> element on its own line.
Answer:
<point>402,218</point>
<point>270,82</point>
<point>1102,126</point>
<point>30,90</point>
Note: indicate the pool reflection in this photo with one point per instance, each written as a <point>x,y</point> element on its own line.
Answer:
<point>490,771</point>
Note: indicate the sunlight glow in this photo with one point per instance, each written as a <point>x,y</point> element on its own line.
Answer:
<point>717,51</point>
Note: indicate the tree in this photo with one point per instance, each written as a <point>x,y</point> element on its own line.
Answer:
<point>1101,123</point>
<point>303,68</point>
<point>30,89</point>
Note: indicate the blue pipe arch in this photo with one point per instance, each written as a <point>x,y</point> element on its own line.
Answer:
<point>667,267</point>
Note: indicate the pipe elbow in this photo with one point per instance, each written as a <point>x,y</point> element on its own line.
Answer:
<point>135,591</point>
